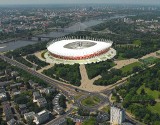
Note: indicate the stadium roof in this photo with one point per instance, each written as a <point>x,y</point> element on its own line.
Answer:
<point>77,47</point>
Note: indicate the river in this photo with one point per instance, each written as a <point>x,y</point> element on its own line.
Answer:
<point>75,27</point>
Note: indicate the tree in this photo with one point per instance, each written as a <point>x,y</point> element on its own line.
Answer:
<point>142,92</point>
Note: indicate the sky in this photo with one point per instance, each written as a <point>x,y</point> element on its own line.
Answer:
<point>156,2</point>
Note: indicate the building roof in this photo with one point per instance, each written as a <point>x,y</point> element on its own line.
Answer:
<point>36,94</point>
<point>75,47</point>
<point>29,114</point>
<point>12,122</point>
<point>41,101</point>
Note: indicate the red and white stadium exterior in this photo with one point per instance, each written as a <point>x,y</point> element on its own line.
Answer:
<point>57,49</point>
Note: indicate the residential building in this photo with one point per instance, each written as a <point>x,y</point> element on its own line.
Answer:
<point>59,110</point>
<point>29,116</point>
<point>12,122</point>
<point>23,108</point>
<point>36,95</point>
<point>62,122</point>
<point>41,117</point>
<point>41,102</point>
<point>3,96</point>
<point>7,111</point>
<point>47,90</point>
<point>117,115</point>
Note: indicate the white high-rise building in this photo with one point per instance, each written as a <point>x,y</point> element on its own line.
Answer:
<point>117,115</point>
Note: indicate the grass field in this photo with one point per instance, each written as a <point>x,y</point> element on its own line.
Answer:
<point>149,60</point>
<point>155,108</point>
<point>154,93</point>
<point>106,108</point>
<point>129,67</point>
<point>91,101</point>
<point>91,121</point>
<point>42,54</point>
<point>120,57</point>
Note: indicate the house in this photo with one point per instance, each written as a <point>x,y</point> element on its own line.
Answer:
<point>47,90</point>
<point>41,117</point>
<point>3,96</point>
<point>1,73</point>
<point>12,122</point>
<point>41,102</point>
<point>7,111</point>
<point>33,84</point>
<point>14,73</point>
<point>59,110</point>
<point>29,116</point>
<point>62,122</point>
<point>23,108</point>
<point>102,117</point>
<point>36,95</point>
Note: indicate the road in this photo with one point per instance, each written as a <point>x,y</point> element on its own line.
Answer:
<point>64,88</point>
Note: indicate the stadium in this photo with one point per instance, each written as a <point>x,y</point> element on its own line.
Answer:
<point>82,51</point>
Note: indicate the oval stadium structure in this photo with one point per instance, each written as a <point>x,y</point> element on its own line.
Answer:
<point>72,51</point>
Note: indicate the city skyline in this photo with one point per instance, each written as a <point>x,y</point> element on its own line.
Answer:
<point>2,2</point>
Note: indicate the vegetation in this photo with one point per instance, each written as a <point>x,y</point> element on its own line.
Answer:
<point>70,122</point>
<point>91,121</point>
<point>140,95</point>
<point>62,101</point>
<point>27,76</point>
<point>69,73</point>
<point>106,109</point>
<point>42,54</point>
<point>149,61</point>
<point>37,61</point>
<point>129,68</point>
<point>3,65</point>
<point>109,77</point>
<point>83,112</point>
<point>91,101</point>
<point>25,98</point>
<point>154,93</point>
<point>96,69</point>
<point>25,62</point>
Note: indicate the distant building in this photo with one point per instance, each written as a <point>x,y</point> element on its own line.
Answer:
<point>36,95</point>
<point>3,96</point>
<point>41,102</point>
<point>7,111</point>
<point>102,117</point>
<point>12,122</point>
<point>29,116</point>
<point>23,108</point>
<point>62,122</point>
<point>117,115</point>
<point>41,117</point>
<point>14,73</point>
<point>47,90</point>
<point>59,110</point>
<point>33,84</point>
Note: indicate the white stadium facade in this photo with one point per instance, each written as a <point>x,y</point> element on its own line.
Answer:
<point>82,51</point>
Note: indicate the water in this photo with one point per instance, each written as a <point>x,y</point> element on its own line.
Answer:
<point>14,45</point>
<point>74,28</point>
